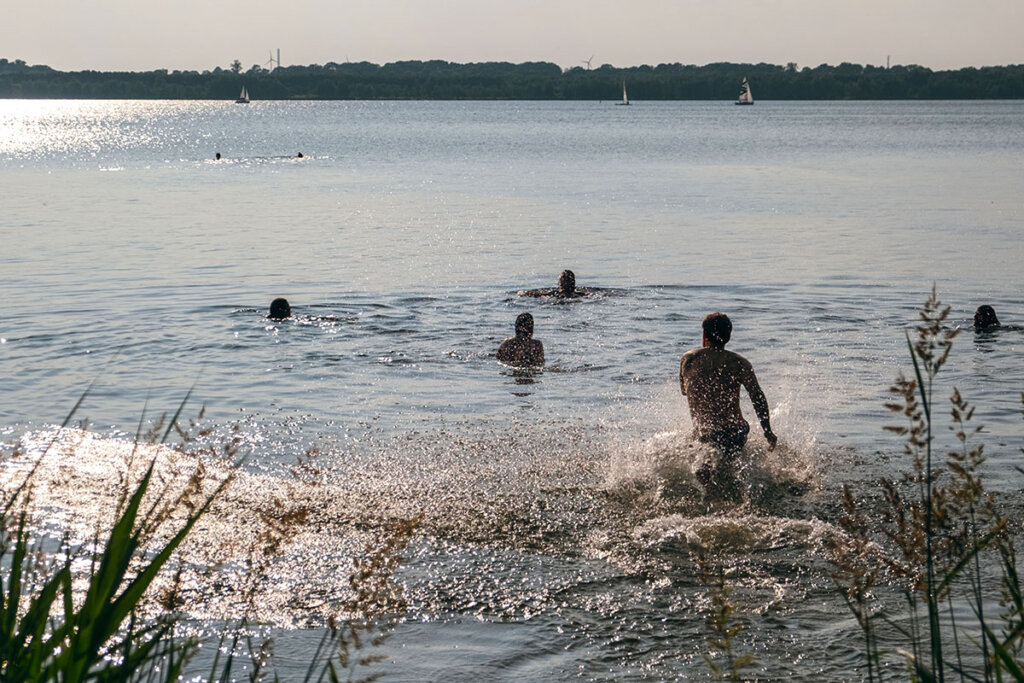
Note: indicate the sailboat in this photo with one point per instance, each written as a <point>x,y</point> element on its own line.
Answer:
<point>243,97</point>
<point>745,96</point>
<point>625,100</point>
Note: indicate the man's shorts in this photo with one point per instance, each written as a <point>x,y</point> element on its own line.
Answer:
<point>728,441</point>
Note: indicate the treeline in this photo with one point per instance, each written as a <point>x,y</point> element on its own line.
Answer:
<point>440,80</point>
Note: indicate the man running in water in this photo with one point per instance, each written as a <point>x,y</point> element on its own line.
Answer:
<point>710,378</point>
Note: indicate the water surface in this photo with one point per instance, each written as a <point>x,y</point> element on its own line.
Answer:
<point>562,521</point>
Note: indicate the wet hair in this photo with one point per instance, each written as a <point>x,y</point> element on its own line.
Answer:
<point>524,324</point>
<point>717,328</point>
<point>567,282</point>
<point>218,156</point>
<point>299,155</point>
<point>985,317</point>
<point>279,309</point>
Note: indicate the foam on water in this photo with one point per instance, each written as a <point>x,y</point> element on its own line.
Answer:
<point>484,493</point>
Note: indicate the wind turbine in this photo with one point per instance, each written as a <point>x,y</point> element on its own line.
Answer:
<point>271,61</point>
<point>588,61</point>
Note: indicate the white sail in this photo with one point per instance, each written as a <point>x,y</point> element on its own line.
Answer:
<point>746,96</point>
<point>625,98</point>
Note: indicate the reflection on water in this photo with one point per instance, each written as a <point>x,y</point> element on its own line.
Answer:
<point>525,377</point>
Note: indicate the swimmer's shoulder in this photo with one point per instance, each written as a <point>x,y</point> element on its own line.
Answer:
<point>689,357</point>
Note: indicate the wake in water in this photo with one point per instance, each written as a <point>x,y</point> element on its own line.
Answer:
<point>548,489</point>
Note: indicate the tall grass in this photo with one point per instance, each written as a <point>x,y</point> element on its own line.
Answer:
<point>49,633</point>
<point>77,614</point>
<point>723,626</point>
<point>938,539</point>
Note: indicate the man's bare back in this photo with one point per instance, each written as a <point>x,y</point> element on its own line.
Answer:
<point>711,380</point>
<point>522,350</point>
<point>710,377</point>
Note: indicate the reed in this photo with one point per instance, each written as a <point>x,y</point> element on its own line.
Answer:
<point>49,633</point>
<point>937,538</point>
<point>723,626</point>
<point>80,613</point>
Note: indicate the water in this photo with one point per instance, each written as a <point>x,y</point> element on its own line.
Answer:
<point>560,514</point>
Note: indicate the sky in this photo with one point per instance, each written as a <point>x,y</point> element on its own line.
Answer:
<point>128,35</point>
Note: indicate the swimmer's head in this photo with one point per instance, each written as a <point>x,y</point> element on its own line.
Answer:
<point>279,309</point>
<point>218,156</point>
<point>299,155</point>
<point>567,283</point>
<point>985,317</point>
<point>524,325</point>
<point>717,330</point>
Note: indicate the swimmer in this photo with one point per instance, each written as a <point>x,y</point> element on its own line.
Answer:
<point>279,310</point>
<point>217,156</point>
<point>985,318</point>
<point>299,155</point>
<point>567,284</point>
<point>566,289</point>
<point>522,350</point>
<point>710,378</point>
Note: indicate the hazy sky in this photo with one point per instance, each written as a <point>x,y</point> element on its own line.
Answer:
<point>130,35</point>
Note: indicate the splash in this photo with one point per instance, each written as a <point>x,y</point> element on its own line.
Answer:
<point>514,518</point>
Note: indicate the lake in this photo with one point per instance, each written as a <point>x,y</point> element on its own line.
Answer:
<point>561,520</point>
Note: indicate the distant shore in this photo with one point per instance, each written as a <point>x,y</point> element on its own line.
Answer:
<point>440,80</point>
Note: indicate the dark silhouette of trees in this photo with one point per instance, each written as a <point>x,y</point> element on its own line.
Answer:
<point>441,80</point>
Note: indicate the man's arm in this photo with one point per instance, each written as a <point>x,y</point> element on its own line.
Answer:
<point>757,397</point>
<point>504,353</point>
<point>682,370</point>
<point>538,353</point>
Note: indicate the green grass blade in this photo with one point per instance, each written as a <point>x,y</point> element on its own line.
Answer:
<point>216,658</point>
<point>126,602</point>
<point>145,647</point>
<point>920,379</point>
<point>229,663</point>
<point>14,580</point>
<point>1005,656</point>
<point>119,548</point>
<point>93,625</point>
<point>33,624</point>
<point>955,570</point>
<point>177,658</point>
<point>922,672</point>
<point>177,414</point>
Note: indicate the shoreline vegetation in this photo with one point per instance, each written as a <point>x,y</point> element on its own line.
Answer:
<point>441,80</point>
<point>927,564</point>
<point>112,607</point>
